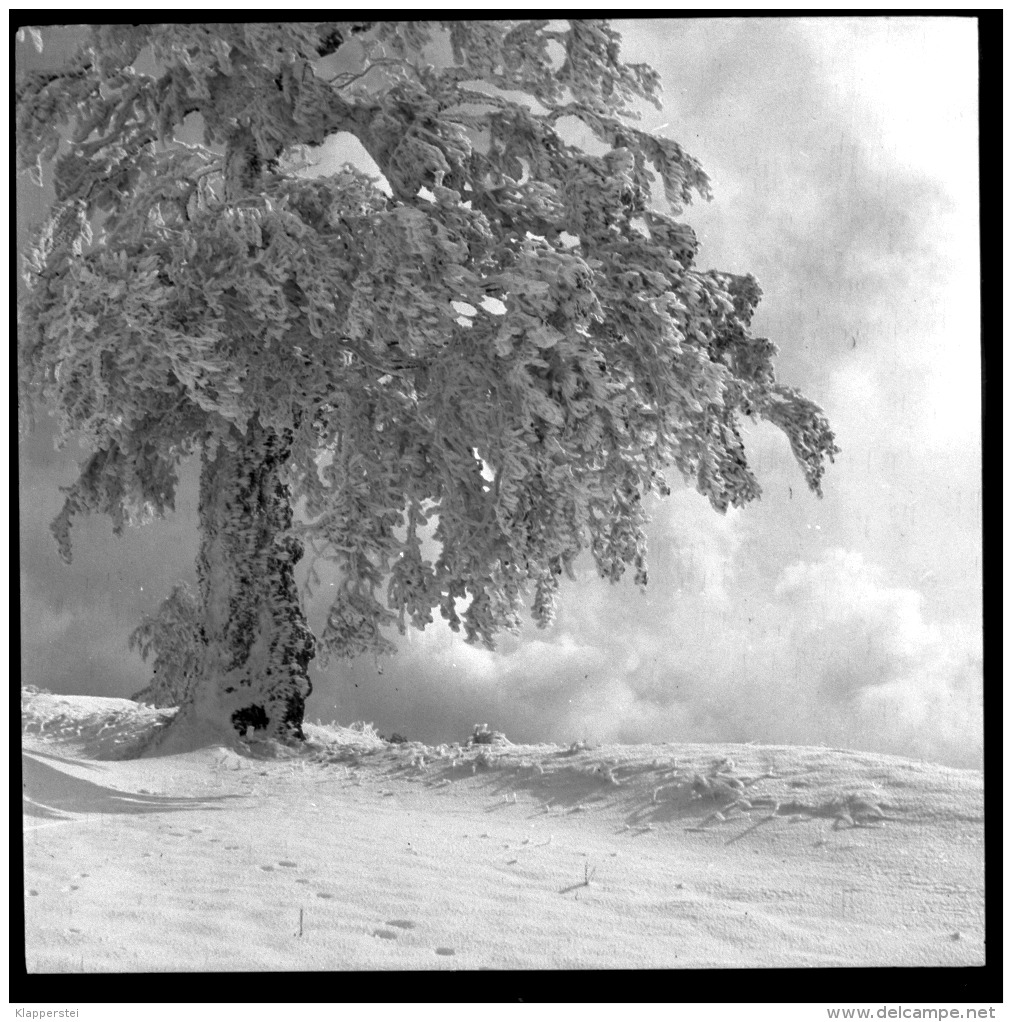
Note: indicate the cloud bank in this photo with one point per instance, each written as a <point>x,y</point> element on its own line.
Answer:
<point>832,653</point>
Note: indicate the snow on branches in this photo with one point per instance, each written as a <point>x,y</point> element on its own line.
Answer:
<point>169,638</point>
<point>182,292</point>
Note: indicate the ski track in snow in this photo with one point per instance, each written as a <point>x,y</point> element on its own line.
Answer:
<point>359,855</point>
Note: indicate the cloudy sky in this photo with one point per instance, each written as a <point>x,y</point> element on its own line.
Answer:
<point>843,155</point>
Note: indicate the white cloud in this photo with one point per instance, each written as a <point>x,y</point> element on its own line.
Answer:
<point>909,82</point>
<point>832,654</point>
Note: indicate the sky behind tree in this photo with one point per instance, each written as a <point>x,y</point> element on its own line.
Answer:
<point>843,156</point>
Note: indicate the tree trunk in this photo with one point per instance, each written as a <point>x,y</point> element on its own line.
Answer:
<point>255,644</point>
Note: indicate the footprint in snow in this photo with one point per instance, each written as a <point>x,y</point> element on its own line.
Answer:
<point>403,924</point>
<point>323,894</point>
<point>445,951</point>
<point>385,934</point>
<point>287,863</point>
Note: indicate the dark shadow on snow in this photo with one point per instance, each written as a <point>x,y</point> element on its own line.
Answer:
<point>50,793</point>
<point>76,760</point>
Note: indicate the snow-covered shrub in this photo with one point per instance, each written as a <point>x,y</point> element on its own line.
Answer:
<point>482,735</point>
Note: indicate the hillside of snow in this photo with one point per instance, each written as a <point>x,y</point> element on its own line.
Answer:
<point>358,854</point>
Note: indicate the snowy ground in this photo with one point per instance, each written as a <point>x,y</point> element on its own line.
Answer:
<point>360,855</point>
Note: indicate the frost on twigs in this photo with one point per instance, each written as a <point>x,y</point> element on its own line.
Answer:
<point>169,639</point>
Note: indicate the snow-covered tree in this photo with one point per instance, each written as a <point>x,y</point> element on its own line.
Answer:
<point>501,342</point>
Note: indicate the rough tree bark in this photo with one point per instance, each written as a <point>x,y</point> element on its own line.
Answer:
<point>255,643</point>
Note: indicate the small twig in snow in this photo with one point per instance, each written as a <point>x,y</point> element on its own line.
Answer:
<point>588,875</point>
